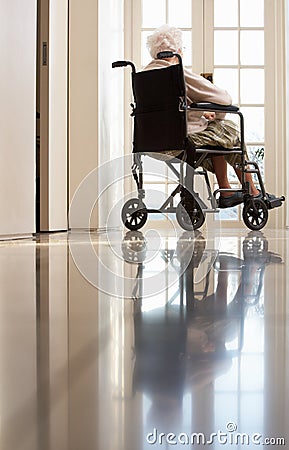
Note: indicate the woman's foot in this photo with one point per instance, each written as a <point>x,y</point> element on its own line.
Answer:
<point>230,200</point>
<point>260,195</point>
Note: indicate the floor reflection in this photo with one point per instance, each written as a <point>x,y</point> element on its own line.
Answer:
<point>182,347</point>
<point>190,340</point>
<point>200,356</point>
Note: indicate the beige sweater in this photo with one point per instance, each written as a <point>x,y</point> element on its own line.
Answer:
<point>198,90</point>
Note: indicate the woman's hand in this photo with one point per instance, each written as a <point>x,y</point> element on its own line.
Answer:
<point>210,116</point>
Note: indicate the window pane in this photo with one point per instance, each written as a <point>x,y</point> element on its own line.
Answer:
<point>227,79</point>
<point>226,13</point>
<point>252,47</point>
<point>153,13</point>
<point>145,55</point>
<point>254,124</point>
<point>180,13</point>
<point>256,154</point>
<point>252,13</point>
<point>226,45</point>
<point>187,50</point>
<point>232,175</point>
<point>155,195</point>
<point>252,86</point>
<point>228,214</point>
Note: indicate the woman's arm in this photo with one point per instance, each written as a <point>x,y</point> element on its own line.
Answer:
<point>201,90</point>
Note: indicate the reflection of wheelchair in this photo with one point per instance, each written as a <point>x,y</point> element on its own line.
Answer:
<point>187,309</point>
<point>188,255</point>
<point>160,112</point>
<point>256,258</point>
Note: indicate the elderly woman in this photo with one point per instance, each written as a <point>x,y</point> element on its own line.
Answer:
<point>204,128</point>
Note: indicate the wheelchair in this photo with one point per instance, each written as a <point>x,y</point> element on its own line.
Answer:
<point>160,125</point>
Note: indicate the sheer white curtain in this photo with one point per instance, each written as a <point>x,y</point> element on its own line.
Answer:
<point>287,109</point>
<point>111,116</point>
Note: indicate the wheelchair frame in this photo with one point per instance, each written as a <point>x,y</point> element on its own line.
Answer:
<point>190,212</point>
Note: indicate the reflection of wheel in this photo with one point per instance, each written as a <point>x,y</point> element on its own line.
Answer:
<point>134,247</point>
<point>255,249</point>
<point>255,214</point>
<point>255,245</point>
<point>191,221</point>
<point>190,248</point>
<point>134,214</point>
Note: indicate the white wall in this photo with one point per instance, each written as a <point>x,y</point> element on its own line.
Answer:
<point>17,116</point>
<point>58,67</point>
<point>83,97</point>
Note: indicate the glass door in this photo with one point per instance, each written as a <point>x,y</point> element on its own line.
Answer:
<point>240,43</point>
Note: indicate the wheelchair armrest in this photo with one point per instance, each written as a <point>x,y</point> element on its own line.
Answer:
<point>213,107</point>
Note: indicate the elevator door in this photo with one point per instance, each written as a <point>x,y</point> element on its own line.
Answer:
<point>52,85</point>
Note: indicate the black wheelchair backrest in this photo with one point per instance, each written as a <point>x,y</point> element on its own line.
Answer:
<point>159,111</point>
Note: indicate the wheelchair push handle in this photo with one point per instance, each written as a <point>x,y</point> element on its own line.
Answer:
<point>168,54</point>
<point>119,64</point>
<point>123,64</point>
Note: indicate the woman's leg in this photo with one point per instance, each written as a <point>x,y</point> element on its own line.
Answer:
<point>221,169</point>
<point>249,179</point>
<point>226,199</point>
<point>222,133</point>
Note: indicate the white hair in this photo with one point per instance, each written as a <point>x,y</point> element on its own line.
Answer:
<point>165,38</point>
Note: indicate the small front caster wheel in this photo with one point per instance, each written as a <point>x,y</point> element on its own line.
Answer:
<point>255,214</point>
<point>134,214</point>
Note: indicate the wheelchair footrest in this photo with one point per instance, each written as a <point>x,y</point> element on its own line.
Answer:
<point>275,202</point>
<point>211,210</point>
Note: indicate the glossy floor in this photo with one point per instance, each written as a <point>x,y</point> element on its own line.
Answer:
<point>144,340</point>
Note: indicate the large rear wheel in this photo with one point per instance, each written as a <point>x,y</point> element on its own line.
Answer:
<point>192,219</point>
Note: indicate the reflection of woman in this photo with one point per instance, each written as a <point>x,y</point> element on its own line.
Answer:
<point>160,340</point>
<point>218,316</point>
<point>168,351</point>
<point>204,128</point>
<point>180,348</point>
<point>166,367</point>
